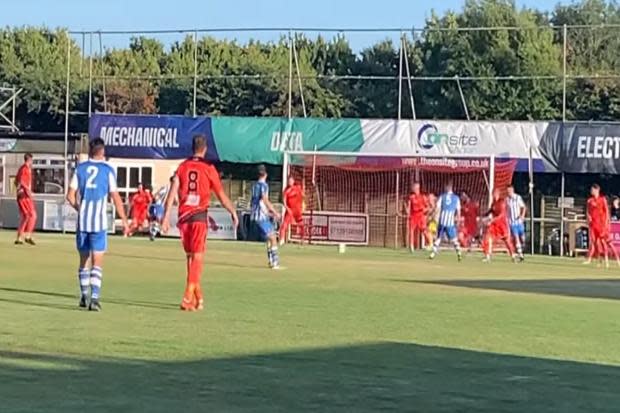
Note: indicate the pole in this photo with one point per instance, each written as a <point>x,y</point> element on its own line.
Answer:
<point>408,73</point>
<point>531,188</point>
<point>400,76</point>
<point>397,209</point>
<point>458,83</point>
<point>564,58</point>
<point>13,124</point>
<point>285,163</point>
<point>301,89</point>
<point>82,51</point>
<point>290,74</point>
<point>491,178</point>
<point>67,96</point>
<point>105,97</point>
<point>195,73</point>
<point>562,216</point>
<point>90,76</point>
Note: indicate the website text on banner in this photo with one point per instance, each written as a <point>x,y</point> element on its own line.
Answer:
<point>334,228</point>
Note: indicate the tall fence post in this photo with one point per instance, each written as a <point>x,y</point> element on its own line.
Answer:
<point>195,93</point>
<point>562,215</point>
<point>564,61</point>
<point>90,74</point>
<point>400,76</point>
<point>290,74</point>
<point>66,146</point>
<point>531,189</point>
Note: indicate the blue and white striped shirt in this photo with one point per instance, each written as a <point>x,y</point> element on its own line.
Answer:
<point>93,180</point>
<point>515,204</point>
<point>449,205</point>
<point>259,209</point>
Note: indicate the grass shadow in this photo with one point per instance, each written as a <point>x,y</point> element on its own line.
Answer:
<point>362,378</point>
<point>586,288</point>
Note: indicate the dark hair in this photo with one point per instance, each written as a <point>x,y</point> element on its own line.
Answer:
<point>27,156</point>
<point>510,186</point>
<point>596,186</point>
<point>96,145</point>
<point>199,143</point>
<point>262,170</point>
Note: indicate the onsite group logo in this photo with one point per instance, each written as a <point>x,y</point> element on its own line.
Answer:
<point>429,136</point>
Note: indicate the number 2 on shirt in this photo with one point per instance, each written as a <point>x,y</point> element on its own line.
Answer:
<point>92,172</point>
<point>193,199</point>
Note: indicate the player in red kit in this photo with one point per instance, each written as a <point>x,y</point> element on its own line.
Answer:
<point>470,211</point>
<point>140,202</point>
<point>598,223</point>
<point>293,202</point>
<point>417,208</point>
<point>193,183</point>
<point>498,227</point>
<point>25,202</point>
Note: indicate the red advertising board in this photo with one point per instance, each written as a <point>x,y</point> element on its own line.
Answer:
<point>614,232</point>
<point>324,227</point>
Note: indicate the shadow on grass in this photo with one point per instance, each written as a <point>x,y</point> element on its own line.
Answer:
<point>588,288</point>
<point>364,378</point>
<point>33,301</point>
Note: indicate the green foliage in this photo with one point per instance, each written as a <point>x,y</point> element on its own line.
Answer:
<point>251,79</point>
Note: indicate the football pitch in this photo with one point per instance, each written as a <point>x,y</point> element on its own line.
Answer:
<point>368,330</point>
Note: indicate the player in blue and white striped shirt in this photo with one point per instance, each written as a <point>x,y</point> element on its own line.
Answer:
<point>90,186</point>
<point>516,219</point>
<point>449,215</point>
<point>262,212</point>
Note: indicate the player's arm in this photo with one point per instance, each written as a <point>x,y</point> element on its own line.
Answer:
<point>269,205</point>
<point>228,205</point>
<point>118,202</point>
<point>72,192</point>
<point>172,195</point>
<point>522,209</point>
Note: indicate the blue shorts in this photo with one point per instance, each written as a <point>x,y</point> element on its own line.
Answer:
<point>156,212</point>
<point>91,241</point>
<point>517,230</point>
<point>449,232</point>
<point>266,228</point>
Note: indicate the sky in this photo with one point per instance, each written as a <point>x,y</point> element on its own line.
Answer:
<point>189,14</point>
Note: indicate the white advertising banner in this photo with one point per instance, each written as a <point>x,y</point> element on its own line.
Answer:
<point>423,137</point>
<point>334,228</point>
<point>220,224</point>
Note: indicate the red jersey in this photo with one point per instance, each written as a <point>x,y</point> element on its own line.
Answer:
<point>470,212</point>
<point>293,197</point>
<point>197,178</point>
<point>418,204</point>
<point>498,208</point>
<point>598,211</point>
<point>23,180</point>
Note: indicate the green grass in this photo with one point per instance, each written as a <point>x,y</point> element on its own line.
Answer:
<point>368,330</point>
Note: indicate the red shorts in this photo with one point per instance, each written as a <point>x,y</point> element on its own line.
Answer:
<point>297,216</point>
<point>598,232</point>
<point>499,229</point>
<point>417,222</point>
<point>193,236</point>
<point>26,206</point>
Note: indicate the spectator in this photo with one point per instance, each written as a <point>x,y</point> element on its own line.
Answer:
<point>615,209</point>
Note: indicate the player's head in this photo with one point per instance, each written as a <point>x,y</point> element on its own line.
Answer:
<point>496,193</point>
<point>449,187</point>
<point>510,190</point>
<point>140,186</point>
<point>262,172</point>
<point>464,196</point>
<point>616,202</point>
<point>595,190</point>
<point>199,146</point>
<point>291,181</point>
<point>415,187</point>
<point>28,158</point>
<point>432,198</point>
<point>97,149</point>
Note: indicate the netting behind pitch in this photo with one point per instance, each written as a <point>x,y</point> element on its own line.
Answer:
<point>378,186</point>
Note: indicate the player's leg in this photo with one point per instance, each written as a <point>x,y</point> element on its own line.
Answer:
<point>592,248</point>
<point>299,221</point>
<point>411,231</point>
<point>31,222</point>
<point>99,245</point>
<point>452,235</point>
<point>441,231</point>
<point>516,233</point>
<point>487,243</point>
<point>83,247</point>
<point>286,222</point>
<point>23,219</point>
